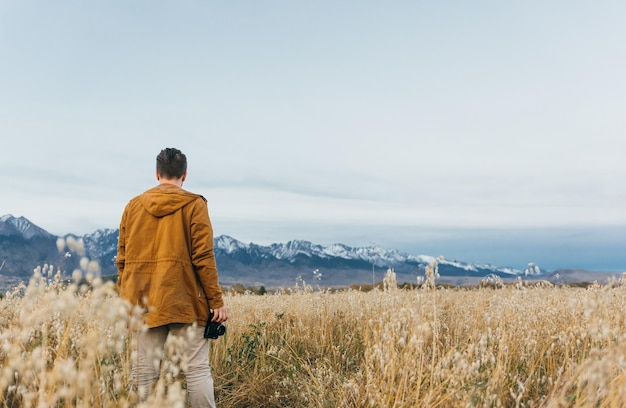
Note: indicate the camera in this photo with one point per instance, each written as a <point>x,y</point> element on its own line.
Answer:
<point>213,330</point>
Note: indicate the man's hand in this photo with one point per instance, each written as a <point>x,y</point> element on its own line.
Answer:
<point>220,315</point>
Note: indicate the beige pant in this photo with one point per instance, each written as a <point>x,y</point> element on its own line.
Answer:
<point>145,370</point>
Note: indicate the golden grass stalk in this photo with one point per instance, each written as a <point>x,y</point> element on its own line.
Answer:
<point>66,345</point>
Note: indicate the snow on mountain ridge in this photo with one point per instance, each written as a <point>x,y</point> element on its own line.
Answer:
<point>100,234</point>
<point>338,250</point>
<point>104,242</point>
<point>294,248</point>
<point>26,228</point>
<point>229,244</point>
<point>374,255</point>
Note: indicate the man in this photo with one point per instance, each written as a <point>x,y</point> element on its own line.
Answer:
<point>166,265</point>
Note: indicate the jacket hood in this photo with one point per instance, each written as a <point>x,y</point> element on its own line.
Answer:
<point>165,199</point>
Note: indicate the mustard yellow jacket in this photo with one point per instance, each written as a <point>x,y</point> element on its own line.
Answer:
<point>165,257</point>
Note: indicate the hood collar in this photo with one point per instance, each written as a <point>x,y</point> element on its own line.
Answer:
<point>166,199</point>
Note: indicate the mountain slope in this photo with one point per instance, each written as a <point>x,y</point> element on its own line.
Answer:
<point>12,226</point>
<point>24,246</point>
<point>338,264</point>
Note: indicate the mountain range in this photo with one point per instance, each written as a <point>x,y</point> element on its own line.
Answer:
<point>24,246</point>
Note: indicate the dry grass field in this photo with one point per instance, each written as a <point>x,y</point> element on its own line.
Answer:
<point>63,345</point>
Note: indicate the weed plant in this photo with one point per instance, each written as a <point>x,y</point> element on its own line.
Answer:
<point>70,345</point>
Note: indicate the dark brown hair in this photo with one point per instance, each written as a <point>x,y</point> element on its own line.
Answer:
<point>171,163</point>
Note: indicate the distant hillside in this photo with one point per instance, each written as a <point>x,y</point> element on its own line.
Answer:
<point>24,246</point>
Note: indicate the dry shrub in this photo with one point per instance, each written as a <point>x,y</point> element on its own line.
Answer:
<point>66,345</point>
<point>63,344</point>
<point>538,346</point>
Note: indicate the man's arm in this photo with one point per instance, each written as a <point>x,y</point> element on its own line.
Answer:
<point>121,250</point>
<point>203,257</point>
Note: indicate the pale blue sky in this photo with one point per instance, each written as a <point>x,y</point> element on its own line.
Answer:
<point>485,131</point>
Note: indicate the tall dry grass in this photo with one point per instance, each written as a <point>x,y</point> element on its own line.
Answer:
<point>64,345</point>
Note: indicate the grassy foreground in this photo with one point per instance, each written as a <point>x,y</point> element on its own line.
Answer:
<point>62,345</point>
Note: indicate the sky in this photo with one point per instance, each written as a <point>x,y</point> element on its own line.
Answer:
<point>485,131</point>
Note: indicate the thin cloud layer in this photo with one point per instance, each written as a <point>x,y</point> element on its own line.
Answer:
<point>362,115</point>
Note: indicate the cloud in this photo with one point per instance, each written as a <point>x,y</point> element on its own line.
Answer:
<point>406,117</point>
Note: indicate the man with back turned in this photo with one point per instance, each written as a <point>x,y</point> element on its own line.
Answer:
<point>166,265</point>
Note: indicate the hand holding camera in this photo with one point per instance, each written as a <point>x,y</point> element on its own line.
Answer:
<point>213,330</point>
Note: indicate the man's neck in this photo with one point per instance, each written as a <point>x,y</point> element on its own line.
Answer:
<point>176,182</point>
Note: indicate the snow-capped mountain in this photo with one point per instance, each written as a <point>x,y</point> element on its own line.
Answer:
<point>294,251</point>
<point>101,246</point>
<point>10,225</point>
<point>24,246</point>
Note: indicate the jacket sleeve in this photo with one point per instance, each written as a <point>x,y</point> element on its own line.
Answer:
<point>203,255</point>
<point>121,251</point>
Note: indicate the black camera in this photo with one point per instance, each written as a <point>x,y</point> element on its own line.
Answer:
<point>213,330</point>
